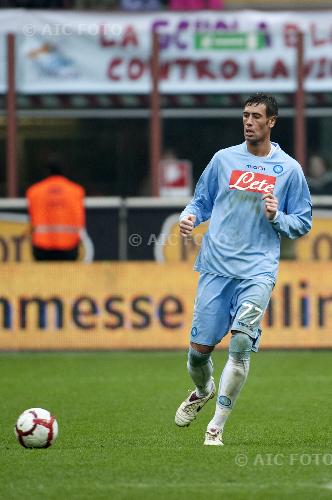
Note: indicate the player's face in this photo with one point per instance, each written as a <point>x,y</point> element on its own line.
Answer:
<point>257,126</point>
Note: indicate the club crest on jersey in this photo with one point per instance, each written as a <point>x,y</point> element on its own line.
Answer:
<point>278,169</point>
<point>252,181</point>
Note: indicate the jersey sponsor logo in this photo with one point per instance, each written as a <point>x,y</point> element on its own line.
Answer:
<point>252,181</point>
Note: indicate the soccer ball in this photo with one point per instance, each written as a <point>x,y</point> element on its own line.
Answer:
<point>36,428</point>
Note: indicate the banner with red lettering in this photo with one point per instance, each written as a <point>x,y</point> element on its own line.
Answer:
<point>201,52</point>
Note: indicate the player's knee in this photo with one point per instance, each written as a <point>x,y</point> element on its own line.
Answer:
<point>196,358</point>
<point>204,349</point>
<point>240,345</point>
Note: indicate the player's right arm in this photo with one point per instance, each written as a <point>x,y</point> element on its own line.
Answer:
<point>187,224</point>
<point>200,207</point>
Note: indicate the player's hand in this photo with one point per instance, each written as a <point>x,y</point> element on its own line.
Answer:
<point>271,205</point>
<point>187,225</point>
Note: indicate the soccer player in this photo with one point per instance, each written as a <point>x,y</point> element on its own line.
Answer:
<point>253,194</point>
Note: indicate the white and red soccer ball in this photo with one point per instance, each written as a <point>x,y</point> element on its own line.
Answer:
<point>36,428</point>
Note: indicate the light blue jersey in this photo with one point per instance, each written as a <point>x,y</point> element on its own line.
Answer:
<point>241,242</point>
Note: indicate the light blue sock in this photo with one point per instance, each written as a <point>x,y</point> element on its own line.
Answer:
<point>200,368</point>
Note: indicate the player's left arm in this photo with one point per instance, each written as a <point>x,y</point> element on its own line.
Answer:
<point>296,218</point>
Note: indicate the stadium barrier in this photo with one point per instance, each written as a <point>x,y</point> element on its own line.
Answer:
<point>145,305</point>
<point>147,229</point>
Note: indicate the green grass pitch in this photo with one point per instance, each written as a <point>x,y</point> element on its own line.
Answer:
<point>118,439</point>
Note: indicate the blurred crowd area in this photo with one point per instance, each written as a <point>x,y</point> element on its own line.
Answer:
<point>126,5</point>
<point>173,5</point>
<point>319,174</point>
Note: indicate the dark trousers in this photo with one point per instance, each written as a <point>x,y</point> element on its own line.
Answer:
<point>40,254</point>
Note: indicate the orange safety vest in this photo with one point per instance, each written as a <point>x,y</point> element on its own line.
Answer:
<point>56,209</point>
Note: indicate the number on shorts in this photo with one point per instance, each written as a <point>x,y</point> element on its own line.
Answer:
<point>251,308</point>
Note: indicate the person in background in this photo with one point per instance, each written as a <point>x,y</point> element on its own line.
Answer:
<point>141,5</point>
<point>319,177</point>
<point>57,216</point>
<point>196,4</point>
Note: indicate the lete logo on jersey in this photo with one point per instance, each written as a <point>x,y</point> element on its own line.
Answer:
<point>252,181</point>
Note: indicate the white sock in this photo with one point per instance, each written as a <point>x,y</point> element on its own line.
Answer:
<point>231,382</point>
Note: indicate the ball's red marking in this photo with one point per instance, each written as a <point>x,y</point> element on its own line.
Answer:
<point>29,432</point>
<point>37,421</point>
<point>49,425</point>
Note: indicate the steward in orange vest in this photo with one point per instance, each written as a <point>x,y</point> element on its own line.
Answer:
<point>57,215</point>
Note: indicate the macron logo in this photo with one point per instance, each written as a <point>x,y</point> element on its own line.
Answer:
<point>256,167</point>
<point>252,181</point>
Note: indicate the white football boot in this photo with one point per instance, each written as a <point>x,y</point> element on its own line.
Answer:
<point>213,437</point>
<point>187,411</point>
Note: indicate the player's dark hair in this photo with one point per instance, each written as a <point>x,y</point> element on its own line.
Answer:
<point>269,101</point>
